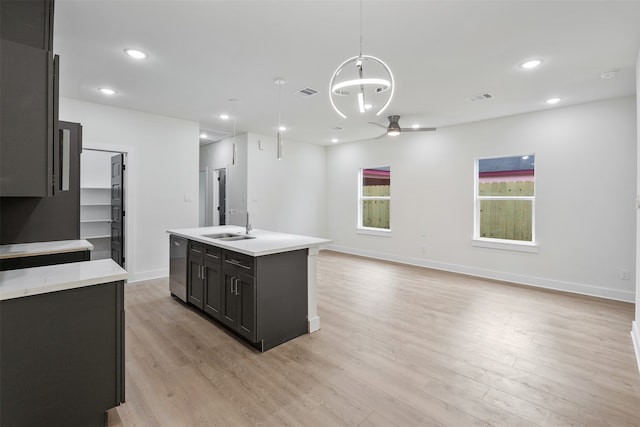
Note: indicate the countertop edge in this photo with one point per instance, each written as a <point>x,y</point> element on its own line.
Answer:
<point>310,242</point>
<point>60,277</point>
<point>45,248</point>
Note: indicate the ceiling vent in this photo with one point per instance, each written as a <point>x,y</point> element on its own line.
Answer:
<point>481,97</point>
<point>307,91</point>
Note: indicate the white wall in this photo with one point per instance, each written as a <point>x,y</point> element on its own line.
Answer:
<point>585,192</point>
<point>219,155</point>
<point>164,171</point>
<point>635,329</point>
<point>286,195</point>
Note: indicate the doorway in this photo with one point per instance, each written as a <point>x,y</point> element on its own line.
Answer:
<point>212,197</point>
<point>97,222</point>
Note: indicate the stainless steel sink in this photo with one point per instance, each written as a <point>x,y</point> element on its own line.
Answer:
<point>238,237</point>
<point>228,236</point>
<point>219,235</point>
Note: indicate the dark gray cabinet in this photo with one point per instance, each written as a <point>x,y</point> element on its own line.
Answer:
<point>262,299</point>
<point>239,296</point>
<point>30,152</point>
<point>28,22</point>
<point>62,356</point>
<point>212,281</point>
<point>41,219</point>
<point>195,274</point>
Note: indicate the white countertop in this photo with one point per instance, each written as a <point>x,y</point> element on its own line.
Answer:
<point>51,278</point>
<point>43,248</point>
<point>265,242</point>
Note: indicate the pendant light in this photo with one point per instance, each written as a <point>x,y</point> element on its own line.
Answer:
<point>234,154</point>
<point>366,76</point>
<point>279,81</point>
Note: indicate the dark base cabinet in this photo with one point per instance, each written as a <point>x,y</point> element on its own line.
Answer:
<point>40,260</point>
<point>62,356</point>
<point>261,299</point>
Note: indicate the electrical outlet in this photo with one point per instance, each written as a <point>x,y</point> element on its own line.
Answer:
<point>625,274</point>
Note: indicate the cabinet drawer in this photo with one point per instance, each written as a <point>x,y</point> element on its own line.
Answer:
<point>212,254</point>
<point>244,262</point>
<point>196,250</point>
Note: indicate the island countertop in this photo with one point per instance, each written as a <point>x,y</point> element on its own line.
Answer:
<point>51,278</point>
<point>18,250</point>
<point>265,242</point>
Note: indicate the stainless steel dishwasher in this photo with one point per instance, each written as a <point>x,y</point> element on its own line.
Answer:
<point>178,267</point>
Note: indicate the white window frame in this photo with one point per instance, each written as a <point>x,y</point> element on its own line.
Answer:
<point>384,232</point>
<point>505,244</point>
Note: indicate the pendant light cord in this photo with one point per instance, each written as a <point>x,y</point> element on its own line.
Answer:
<point>360,27</point>
<point>279,91</point>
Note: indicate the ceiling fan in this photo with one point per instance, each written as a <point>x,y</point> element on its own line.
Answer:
<point>394,128</point>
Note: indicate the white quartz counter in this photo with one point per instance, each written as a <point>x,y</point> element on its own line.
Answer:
<point>51,278</point>
<point>43,248</point>
<point>265,242</point>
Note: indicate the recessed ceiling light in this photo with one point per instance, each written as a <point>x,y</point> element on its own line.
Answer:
<point>203,135</point>
<point>553,100</point>
<point>415,126</point>
<point>224,116</point>
<point>135,53</point>
<point>531,64</point>
<point>107,91</point>
<point>282,128</point>
<point>334,140</point>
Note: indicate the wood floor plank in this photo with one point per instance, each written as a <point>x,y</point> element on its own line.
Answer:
<point>398,345</point>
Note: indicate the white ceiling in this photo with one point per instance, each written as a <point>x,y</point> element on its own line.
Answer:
<point>204,53</point>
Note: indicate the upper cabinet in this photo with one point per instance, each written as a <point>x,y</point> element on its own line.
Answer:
<point>31,156</point>
<point>28,22</point>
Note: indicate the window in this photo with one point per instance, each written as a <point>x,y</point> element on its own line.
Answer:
<point>505,199</point>
<point>374,207</point>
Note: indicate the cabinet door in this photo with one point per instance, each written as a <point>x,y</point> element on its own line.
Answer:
<point>28,22</point>
<point>29,134</point>
<point>213,289</point>
<point>229,298</point>
<point>195,284</point>
<point>246,306</point>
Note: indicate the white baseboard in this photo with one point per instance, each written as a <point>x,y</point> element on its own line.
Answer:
<point>314,324</point>
<point>635,337</point>
<point>147,275</point>
<point>540,282</point>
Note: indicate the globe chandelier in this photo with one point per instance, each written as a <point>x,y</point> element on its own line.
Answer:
<point>368,78</point>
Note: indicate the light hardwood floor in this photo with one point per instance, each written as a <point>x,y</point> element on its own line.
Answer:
<point>398,345</point>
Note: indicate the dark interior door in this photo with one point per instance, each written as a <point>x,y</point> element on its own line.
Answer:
<point>222,196</point>
<point>117,209</point>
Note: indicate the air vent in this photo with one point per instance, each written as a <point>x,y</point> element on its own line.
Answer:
<point>481,97</point>
<point>307,91</point>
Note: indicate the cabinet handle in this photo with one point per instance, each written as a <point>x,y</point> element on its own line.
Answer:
<point>238,263</point>
<point>237,280</point>
<point>196,251</point>
<point>204,273</point>
<point>233,282</point>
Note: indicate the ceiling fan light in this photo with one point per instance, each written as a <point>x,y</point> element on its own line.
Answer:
<point>393,132</point>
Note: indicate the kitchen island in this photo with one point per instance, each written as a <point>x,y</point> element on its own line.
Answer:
<point>61,343</point>
<point>262,285</point>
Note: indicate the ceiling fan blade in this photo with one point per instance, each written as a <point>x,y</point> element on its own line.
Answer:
<point>417,129</point>
<point>381,136</point>
<point>378,124</point>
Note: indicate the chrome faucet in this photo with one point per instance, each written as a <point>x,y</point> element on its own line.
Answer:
<point>248,225</point>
